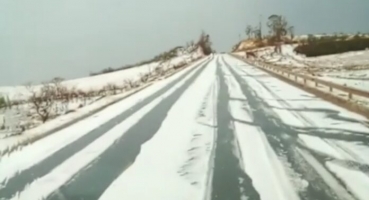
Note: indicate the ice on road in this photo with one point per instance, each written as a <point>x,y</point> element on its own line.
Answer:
<point>220,129</point>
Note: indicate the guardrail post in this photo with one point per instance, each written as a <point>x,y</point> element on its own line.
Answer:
<point>317,81</point>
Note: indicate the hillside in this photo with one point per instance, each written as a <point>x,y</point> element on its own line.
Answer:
<point>350,68</point>
<point>119,77</point>
<point>38,109</point>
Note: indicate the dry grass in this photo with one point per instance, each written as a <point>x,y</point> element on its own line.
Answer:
<point>145,85</point>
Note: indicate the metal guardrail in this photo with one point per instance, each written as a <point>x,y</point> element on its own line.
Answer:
<point>351,91</point>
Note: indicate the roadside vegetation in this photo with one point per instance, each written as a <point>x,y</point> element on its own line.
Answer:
<point>205,44</point>
<point>53,98</point>
<point>281,32</point>
<point>326,45</point>
<point>158,58</point>
<point>2,102</point>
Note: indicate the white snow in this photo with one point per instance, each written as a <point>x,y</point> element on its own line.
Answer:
<point>157,169</point>
<point>32,154</point>
<point>300,109</point>
<point>328,178</point>
<point>177,162</point>
<point>99,81</point>
<point>357,79</point>
<point>259,159</point>
<point>44,186</point>
<point>9,142</point>
<point>350,69</point>
<point>350,176</point>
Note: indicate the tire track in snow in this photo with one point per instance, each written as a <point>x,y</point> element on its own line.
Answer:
<point>345,152</point>
<point>91,182</point>
<point>229,179</point>
<point>267,171</point>
<point>213,114</point>
<point>201,142</point>
<point>167,153</point>
<point>319,159</point>
<point>284,141</point>
<point>20,180</point>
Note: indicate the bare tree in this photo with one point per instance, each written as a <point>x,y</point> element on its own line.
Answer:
<point>42,99</point>
<point>130,83</point>
<point>72,94</point>
<point>124,86</point>
<point>205,44</point>
<point>249,31</point>
<point>2,102</point>
<point>61,93</point>
<point>59,88</point>
<point>164,64</point>
<point>82,96</point>
<point>102,92</point>
<point>111,87</point>
<point>278,27</point>
<point>291,31</point>
<point>159,70</point>
<point>144,77</point>
<point>257,32</point>
<point>190,46</point>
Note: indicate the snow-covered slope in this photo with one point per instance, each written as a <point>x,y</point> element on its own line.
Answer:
<point>351,68</point>
<point>99,81</point>
<point>25,116</point>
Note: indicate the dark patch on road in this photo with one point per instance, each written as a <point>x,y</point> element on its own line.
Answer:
<point>19,181</point>
<point>284,141</point>
<point>230,182</point>
<point>91,182</point>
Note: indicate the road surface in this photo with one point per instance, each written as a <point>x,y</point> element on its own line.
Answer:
<point>220,129</point>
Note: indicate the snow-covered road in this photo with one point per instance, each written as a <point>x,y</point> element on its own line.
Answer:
<point>218,130</point>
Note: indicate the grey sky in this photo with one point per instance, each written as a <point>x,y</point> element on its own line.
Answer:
<point>41,39</point>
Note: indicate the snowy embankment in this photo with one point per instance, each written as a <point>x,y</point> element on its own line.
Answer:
<point>99,81</point>
<point>350,69</point>
<point>77,109</point>
<point>84,155</point>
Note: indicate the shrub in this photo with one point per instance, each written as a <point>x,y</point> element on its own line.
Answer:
<point>2,102</point>
<point>205,44</point>
<point>163,56</point>
<point>327,45</point>
<point>42,100</point>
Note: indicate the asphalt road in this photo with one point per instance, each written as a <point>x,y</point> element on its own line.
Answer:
<point>220,130</point>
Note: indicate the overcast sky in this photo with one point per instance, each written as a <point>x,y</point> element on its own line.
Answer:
<point>41,39</point>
